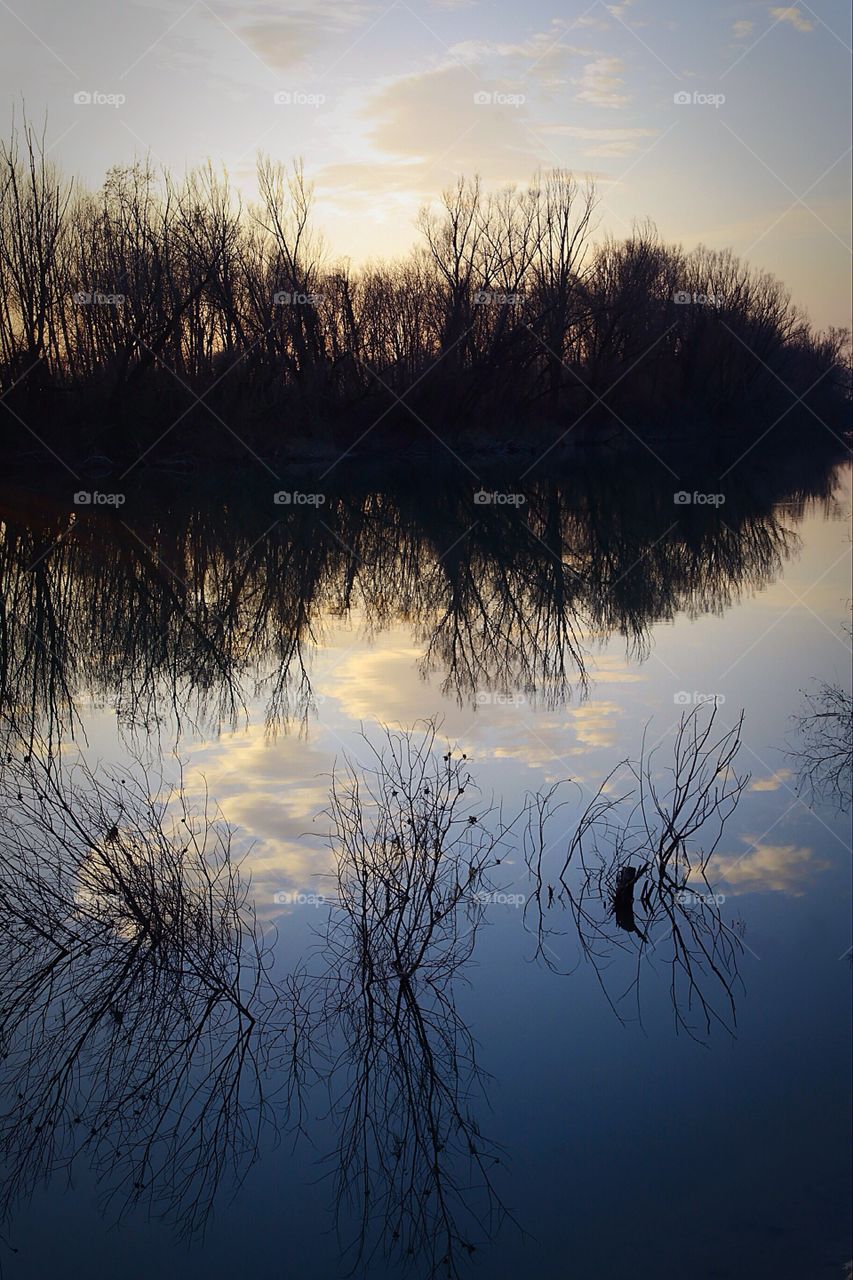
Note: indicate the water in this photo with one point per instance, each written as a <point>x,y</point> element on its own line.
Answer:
<point>247,651</point>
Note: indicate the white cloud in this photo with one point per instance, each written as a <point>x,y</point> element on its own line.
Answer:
<point>740,30</point>
<point>543,56</point>
<point>591,21</point>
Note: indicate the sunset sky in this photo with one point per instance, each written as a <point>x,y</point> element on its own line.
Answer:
<point>388,102</point>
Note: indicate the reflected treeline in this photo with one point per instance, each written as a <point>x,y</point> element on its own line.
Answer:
<point>144,1034</point>
<point>185,606</point>
<point>635,876</point>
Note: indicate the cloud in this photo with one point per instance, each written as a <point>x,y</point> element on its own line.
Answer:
<point>740,30</point>
<point>601,83</point>
<point>773,783</point>
<point>792,15</point>
<point>595,723</point>
<point>286,40</point>
<point>380,684</point>
<point>543,56</point>
<point>554,746</point>
<point>778,868</point>
<point>377,190</point>
<point>605,142</point>
<point>423,131</point>
<point>244,772</point>
<point>610,668</point>
<point>284,43</point>
<point>432,117</point>
<point>591,21</point>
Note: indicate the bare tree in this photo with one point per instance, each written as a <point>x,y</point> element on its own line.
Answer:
<point>34,199</point>
<point>121,305</point>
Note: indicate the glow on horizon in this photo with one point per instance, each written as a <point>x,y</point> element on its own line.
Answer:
<point>726,125</point>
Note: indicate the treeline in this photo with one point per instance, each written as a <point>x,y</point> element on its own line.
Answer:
<point>118,308</point>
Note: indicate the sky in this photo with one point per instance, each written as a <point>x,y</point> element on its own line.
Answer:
<point>724,123</point>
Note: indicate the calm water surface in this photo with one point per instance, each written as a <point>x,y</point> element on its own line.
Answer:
<point>632,1117</point>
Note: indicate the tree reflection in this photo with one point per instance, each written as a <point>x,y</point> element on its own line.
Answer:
<point>823,752</point>
<point>635,876</point>
<point>143,1031</point>
<point>144,1035</point>
<point>415,847</point>
<point>181,610</point>
<point>135,1002</point>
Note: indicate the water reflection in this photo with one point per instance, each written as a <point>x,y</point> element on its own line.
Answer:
<point>823,750</point>
<point>134,1014</point>
<point>154,1032</point>
<point>183,609</point>
<point>638,864</point>
<point>416,848</point>
<point>145,1034</point>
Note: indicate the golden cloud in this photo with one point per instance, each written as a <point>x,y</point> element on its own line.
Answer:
<point>773,783</point>
<point>601,84</point>
<point>777,868</point>
<point>793,17</point>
